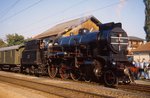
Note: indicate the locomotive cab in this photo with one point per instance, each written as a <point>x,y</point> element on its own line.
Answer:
<point>33,56</point>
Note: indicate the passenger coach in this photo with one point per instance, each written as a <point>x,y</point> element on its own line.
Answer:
<point>10,57</point>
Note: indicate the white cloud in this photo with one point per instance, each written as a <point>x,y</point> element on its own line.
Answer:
<point>120,7</point>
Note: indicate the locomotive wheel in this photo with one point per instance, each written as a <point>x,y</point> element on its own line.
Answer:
<point>2,68</point>
<point>31,70</point>
<point>9,69</point>
<point>36,72</point>
<point>52,71</point>
<point>27,70</point>
<point>75,74</point>
<point>64,73</point>
<point>126,80</point>
<point>97,68</point>
<point>22,70</point>
<point>86,78</point>
<point>110,79</point>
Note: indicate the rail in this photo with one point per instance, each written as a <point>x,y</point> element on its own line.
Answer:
<point>68,89</point>
<point>136,87</point>
<point>52,89</point>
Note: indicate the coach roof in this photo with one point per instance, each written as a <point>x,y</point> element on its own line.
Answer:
<point>11,48</point>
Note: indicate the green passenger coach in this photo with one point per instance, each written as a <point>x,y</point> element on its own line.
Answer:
<point>10,57</point>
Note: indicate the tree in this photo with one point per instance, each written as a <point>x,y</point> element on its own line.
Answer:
<point>28,39</point>
<point>2,43</point>
<point>14,39</point>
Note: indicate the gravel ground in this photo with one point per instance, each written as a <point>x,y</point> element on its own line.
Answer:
<point>67,84</point>
<point>13,91</point>
<point>144,82</point>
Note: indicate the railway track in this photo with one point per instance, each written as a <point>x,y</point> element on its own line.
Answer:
<point>136,87</point>
<point>67,89</point>
<point>52,89</point>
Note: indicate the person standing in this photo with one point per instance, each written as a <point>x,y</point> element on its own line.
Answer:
<point>148,71</point>
<point>137,65</point>
<point>136,69</point>
<point>141,68</point>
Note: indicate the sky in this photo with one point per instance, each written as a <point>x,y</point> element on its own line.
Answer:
<point>32,17</point>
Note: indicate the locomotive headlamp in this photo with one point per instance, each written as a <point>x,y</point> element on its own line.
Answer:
<point>113,63</point>
<point>120,35</point>
<point>65,53</point>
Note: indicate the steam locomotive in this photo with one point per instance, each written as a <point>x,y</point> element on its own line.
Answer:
<point>89,55</point>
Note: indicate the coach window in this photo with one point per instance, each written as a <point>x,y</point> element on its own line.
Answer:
<point>11,54</point>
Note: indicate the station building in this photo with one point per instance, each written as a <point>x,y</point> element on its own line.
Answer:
<point>142,52</point>
<point>70,27</point>
<point>134,43</point>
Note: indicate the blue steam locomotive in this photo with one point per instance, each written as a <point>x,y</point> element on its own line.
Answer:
<point>97,55</point>
<point>88,56</point>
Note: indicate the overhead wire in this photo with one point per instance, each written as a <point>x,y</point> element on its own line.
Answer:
<point>98,9</point>
<point>6,11</point>
<point>80,15</point>
<point>57,13</point>
<point>62,11</point>
<point>15,14</point>
<point>93,11</point>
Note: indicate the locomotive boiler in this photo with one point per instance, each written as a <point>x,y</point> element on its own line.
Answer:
<point>91,55</point>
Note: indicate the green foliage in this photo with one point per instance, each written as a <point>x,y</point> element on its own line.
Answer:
<point>14,39</point>
<point>2,43</point>
<point>28,39</point>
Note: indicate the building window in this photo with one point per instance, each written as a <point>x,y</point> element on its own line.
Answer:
<point>134,43</point>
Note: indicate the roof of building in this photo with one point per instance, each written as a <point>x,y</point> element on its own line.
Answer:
<point>62,27</point>
<point>143,48</point>
<point>135,38</point>
<point>10,48</point>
